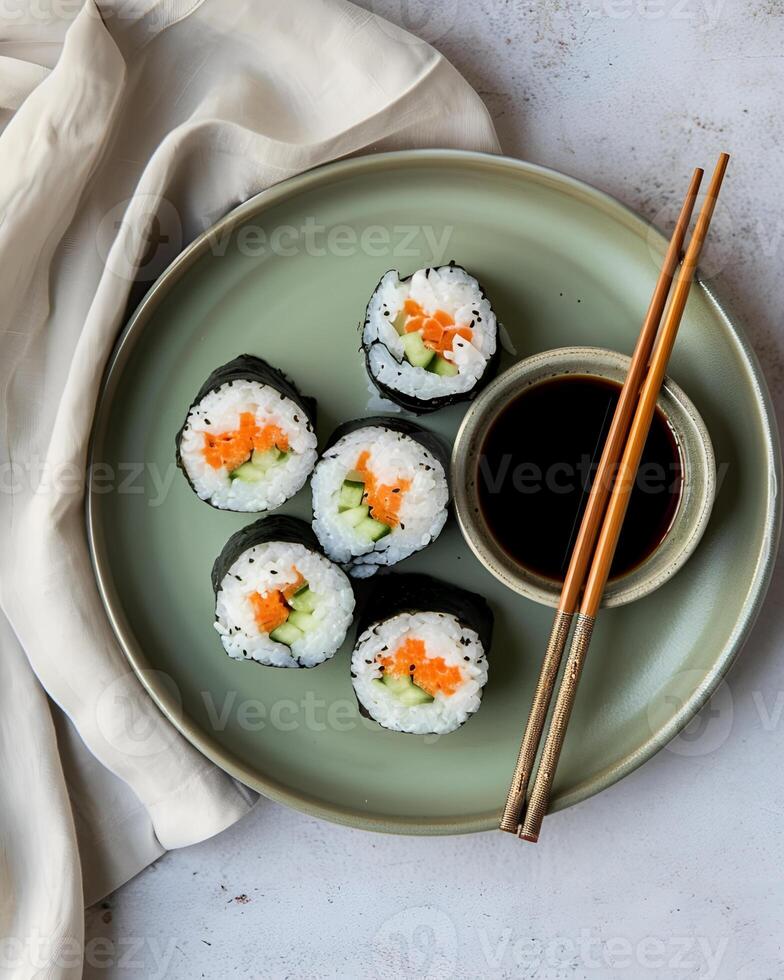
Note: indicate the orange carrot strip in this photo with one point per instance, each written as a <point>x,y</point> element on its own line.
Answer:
<point>432,674</point>
<point>414,323</point>
<point>296,585</point>
<point>433,332</point>
<point>412,307</point>
<point>383,499</point>
<point>269,610</point>
<point>231,449</point>
<point>270,435</point>
<point>449,335</point>
<point>443,318</point>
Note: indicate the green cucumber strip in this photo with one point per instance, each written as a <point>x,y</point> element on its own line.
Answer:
<point>441,366</point>
<point>415,350</point>
<point>370,529</point>
<point>302,620</point>
<point>405,690</point>
<point>287,633</point>
<point>268,458</point>
<point>413,696</point>
<point>356,515</point>
<point>350,495</point>
<point>396,683</point>
<point>256,467</point>
<point>248,473</point>
<point>303,600</point>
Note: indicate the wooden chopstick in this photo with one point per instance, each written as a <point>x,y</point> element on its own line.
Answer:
<point>614,517</point>
<point>594,510</point>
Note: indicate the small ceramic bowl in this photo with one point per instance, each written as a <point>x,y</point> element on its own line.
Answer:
<point>697,460</point>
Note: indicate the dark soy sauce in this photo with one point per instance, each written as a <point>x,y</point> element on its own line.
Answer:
<point>537,463</point>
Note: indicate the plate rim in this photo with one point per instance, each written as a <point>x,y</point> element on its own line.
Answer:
<point>270,787</point>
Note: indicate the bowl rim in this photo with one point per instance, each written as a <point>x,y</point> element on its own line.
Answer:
<point>694,507</point>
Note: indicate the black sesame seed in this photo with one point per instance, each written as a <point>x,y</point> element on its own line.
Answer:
<point>207,422</point>
<point>467,658</point>
<point>251,560</point>
<point>296,418</point>
<point>412,667</point>
<point>273,571</point>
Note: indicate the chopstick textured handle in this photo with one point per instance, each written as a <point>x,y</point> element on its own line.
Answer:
<point>510,821</point>
<point>540,794</point>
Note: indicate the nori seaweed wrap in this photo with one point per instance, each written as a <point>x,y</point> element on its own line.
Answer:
<point>430,339</point>
<point>249,439</point>
<point>278,600</point>
<point>419,664</point>
<point>380,492</point>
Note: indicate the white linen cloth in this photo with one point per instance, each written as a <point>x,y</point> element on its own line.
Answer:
<point>113,114</point>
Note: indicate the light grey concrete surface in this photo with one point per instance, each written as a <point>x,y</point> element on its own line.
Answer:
<point>676,871</point>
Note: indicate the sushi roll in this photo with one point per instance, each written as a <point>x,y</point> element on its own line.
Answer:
<point>420,661</point>
<point>249,440</point>
<point>430,339</point>
<point>380,493</point>
<point>278,600</point>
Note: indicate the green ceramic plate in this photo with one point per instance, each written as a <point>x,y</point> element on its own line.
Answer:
<point>286,276</point>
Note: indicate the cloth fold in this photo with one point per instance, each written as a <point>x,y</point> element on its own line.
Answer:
<point>157,113</point>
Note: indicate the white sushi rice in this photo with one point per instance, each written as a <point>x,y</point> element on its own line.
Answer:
<point>219,412</point>
<point>443,636</point>
<point>393,456</point>
<point>448,288</point>
<point>269,566</point>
